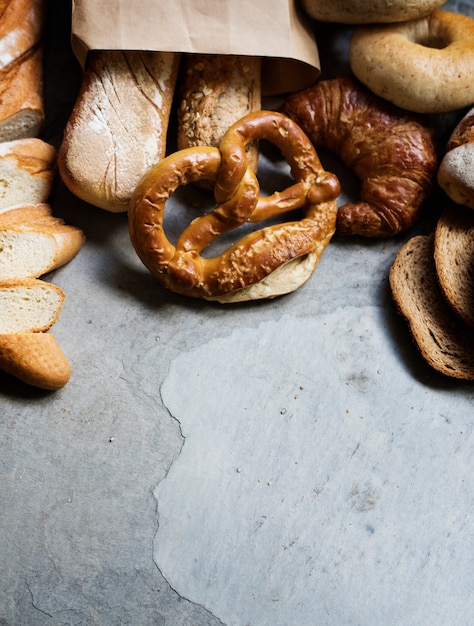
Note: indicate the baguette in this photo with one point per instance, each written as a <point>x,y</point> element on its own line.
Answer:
<point>27,171</point>
<point>118,126</point>
<point>35,359</point>
<point>21,72</point>
<point>33,242</point>
<point>444,341</point>
<point>217,90</point>
<point>29,306</point>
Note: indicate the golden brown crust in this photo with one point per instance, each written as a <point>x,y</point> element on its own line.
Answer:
<point>21,72</point>
<point>423,65</point>
<point>181,267</point>
<point>15,223</point>
<point>35,359</point>
<point>389,150</point>
<point>117,129</point>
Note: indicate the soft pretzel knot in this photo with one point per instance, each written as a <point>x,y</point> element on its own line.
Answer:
<point>263,263</point>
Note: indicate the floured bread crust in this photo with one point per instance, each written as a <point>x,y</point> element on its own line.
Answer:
<point>117,129</point>
<point>254,258</point>
<point>21,70</point>
<point>36,359</point>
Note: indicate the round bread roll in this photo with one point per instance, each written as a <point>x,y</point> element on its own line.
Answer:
<point>424,65</point>
<point>365,12</point>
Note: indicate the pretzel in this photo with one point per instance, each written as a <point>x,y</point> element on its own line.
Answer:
<point>253,259</point>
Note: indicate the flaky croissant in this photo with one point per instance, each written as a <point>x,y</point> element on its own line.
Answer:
<point>389,150</point>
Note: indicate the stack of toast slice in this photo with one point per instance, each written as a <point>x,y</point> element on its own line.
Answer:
<point>432,283</point>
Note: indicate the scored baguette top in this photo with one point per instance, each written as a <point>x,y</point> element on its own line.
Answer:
<point>35,359</point>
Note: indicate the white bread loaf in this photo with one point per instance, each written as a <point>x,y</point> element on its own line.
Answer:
<point>35,359</point>
<point>21,71</point>
<point>33,242</point>
<point>27,171</point>
<point>29,306</point>
<point>118,126</point>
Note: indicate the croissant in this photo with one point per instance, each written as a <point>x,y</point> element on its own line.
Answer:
<point>389,150</point>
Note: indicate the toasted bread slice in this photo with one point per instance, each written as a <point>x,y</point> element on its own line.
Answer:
<point>444,340</point>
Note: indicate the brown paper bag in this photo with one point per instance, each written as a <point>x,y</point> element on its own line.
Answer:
<point>273,29</point>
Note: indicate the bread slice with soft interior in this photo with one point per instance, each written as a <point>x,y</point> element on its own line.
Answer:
<point>29,305</point>
<point>444,340</point>
<point>454,259</point>
<point>33,242</point>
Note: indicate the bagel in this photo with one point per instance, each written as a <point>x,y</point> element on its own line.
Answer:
<point>364,12</point>
<point>424,65</point>
<point>456,171</point>
<point>391,153</point>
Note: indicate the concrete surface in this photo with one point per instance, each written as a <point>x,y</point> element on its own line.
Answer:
<point>282,463</point>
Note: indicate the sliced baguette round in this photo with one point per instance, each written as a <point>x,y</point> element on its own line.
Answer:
<point>35,359</point>
<point>33,242</point>
<point>29,305</point>
<point>27,171</point>
<point>454,259</point>
<point>445,342</point>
